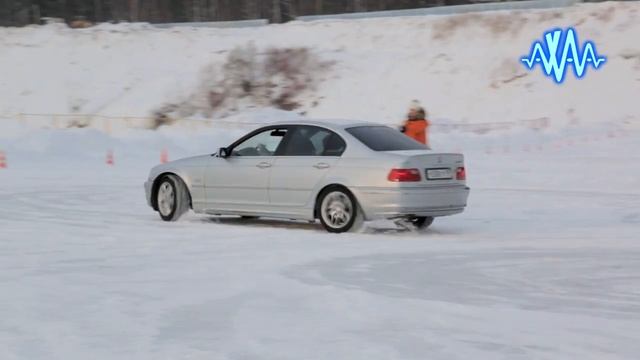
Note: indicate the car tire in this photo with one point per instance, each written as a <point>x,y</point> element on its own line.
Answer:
<point>338,210</point>
<point>421,222</point>
<point>172,198</point>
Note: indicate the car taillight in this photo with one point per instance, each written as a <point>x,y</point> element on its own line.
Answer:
<point>401,175</point>
<point>461,174</point>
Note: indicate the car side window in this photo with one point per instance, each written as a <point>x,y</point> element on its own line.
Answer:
<point>262,144</point>
<point>313,141</point>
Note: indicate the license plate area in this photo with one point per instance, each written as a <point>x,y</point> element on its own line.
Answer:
<point>439,174</point>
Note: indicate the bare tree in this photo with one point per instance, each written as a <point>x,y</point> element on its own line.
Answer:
<point>97,10</point>
<point>133,10</point>
<point>195,10</point>
<point>250,9</point>
<point>276,13</point>
<point>286,11</point>
<point>358,6</point>
<point>213,10</point>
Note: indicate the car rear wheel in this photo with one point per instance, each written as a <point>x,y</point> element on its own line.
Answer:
<point>421,222</point>
<point>172,198</point>
<point>338,210</point>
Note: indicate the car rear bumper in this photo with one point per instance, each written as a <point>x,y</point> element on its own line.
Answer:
<point>423,201</point>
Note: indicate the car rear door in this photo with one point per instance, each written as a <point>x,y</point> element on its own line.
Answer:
<point>307,155</point>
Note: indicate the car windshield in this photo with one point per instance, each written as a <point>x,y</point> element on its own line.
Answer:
<point>384,138</point>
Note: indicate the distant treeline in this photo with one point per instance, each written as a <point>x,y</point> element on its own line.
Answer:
<point>22,12</point>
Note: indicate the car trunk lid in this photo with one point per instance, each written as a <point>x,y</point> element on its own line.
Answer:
<point>435,168</point>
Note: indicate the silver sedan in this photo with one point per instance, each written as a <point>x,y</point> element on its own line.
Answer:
<point>341,173</point>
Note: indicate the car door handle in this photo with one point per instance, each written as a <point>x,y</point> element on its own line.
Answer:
<point>321,165</point>
<point>264,165</point>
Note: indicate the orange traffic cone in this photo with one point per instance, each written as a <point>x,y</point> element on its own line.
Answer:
<point>3,160</point>
<point>110,160</point>
<point>164,156</point>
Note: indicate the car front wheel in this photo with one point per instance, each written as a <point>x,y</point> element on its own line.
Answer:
<point>172,198</point>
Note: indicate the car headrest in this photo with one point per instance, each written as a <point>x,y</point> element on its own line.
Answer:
<point>302,146</point>
<point>333,145</point>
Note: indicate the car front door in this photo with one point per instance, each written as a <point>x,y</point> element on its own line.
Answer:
<point>240,181</point>
<point>306,156</point>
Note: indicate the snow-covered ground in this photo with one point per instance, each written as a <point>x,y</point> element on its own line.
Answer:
<point>544,263</point>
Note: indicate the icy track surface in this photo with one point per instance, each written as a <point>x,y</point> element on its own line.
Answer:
<point>88,271</point>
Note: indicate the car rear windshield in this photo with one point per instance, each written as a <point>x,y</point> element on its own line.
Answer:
<point>384,138</point>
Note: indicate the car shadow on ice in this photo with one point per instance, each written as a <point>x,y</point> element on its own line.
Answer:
<point>370,227</point>
<point>262,222</point>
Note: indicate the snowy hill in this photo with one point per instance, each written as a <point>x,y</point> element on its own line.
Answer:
<point>465,68</point>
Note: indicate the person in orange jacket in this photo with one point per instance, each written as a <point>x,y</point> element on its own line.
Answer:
<point>416,126</point>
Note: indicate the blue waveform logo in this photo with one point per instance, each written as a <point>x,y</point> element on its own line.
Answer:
<point>561,49</point>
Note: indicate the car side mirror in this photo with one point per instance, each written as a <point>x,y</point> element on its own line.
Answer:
<point>223,152</point>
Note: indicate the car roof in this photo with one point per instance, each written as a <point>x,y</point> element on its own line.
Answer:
<point>330,123</point>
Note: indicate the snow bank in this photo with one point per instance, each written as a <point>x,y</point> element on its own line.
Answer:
<point>465,68</point>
